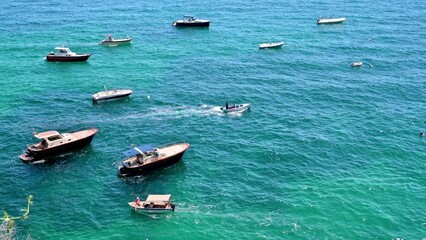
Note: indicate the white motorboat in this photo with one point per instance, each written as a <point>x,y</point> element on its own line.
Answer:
<point>356,64</point>
<point>330,20</point>
<point>235,108</point>
<point>271,45</point>
<point>111,94</point>
<point>110,40</point>
<point>153,204</point>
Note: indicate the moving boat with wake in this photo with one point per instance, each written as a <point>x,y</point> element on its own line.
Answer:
<point>153,204</point>
<point>145,158</point>
<point>236,107</point>
<point>54,143</point>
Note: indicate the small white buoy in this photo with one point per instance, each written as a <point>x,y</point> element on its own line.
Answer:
<point>149,97</point>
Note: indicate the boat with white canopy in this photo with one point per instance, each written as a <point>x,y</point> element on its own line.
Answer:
<point>65,54</point>
<point>154,204</point>
<point>53,143</point>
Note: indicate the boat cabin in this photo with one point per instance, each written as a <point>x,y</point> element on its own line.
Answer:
<point>63,51</point>
<point>51,139</point>
<point>141,155</point>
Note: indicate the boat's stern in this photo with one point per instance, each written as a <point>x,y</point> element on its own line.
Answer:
<point>27,157</point>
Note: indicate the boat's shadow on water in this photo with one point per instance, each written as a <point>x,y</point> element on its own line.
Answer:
<point>63,158</point>
<point>67,64</point>
<point>153,216</point>
<point>155,174</point>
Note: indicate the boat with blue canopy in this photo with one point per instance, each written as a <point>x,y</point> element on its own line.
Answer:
<point>137,150</point>
<point>144,158</point>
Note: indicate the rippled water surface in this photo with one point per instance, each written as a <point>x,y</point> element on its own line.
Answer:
<point>326,152</point>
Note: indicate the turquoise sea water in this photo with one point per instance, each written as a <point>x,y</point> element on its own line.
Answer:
<point>327,151</point>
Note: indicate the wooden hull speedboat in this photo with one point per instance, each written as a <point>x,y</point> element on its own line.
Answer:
<point>271,45</point>
<point>330,20</point>
<point>75,58</point>
<point>191,21</point>
<point>65,54</point>
<point>146,158</point>
<point>237,108</point>
<point>154,204</point>
<point>114,42</point>
<point>356,64</point>
<point>53,144</point>
<point>111,94</point>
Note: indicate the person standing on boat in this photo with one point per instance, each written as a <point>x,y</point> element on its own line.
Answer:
<point>226,105</point>
<point>138,201</point>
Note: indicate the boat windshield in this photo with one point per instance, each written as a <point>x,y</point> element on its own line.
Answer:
<point>190,18</point>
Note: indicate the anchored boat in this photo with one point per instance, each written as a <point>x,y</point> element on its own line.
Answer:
<point>330,20</point>
<point>66,55</point>
<point>356,64</point>
<point>110,40</point>
<point>271,45</point>
<point>54,143</point>
<point>145,158</point>
<point>191,21</point>
<point>153,204</point>
<point>111,94</point>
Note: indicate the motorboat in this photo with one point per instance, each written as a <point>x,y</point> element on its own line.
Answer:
<point>111,94</point>
<point>235,108</point>
<point>271,45</point>
<point>154,204</point>
<point>54,143</point>
<point>356,64</point>
<point>330,20</point>
<point>64,54</point>
<point>145,158</point>
<point>191,21</point>
<point>111,41</point>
